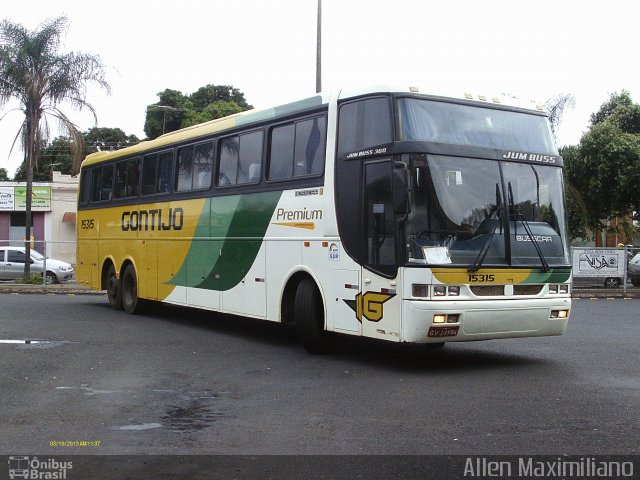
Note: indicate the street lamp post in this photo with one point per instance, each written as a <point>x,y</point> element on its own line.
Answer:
<point>164,109</point>
<point>319,49</point>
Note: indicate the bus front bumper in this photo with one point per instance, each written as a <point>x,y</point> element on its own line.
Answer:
<point>483,319</point>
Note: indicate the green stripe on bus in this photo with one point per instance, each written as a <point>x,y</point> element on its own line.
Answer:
<point>555,275</point>
<point>227,239</point>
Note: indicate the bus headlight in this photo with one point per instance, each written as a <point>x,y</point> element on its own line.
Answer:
<point>446,318</point>
<point>553,288</point>
<point>559,314</point>
<point>439,291</point>
<point>564,288</point>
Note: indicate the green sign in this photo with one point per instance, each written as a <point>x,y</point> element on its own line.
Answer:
<point>40,198</point>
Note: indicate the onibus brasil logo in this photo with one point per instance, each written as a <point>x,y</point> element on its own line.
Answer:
<point>33,468</point>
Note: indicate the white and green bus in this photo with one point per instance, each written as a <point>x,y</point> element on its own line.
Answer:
<point>389,213</point>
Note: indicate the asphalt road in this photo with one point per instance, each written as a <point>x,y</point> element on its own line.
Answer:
<point>179,381</point>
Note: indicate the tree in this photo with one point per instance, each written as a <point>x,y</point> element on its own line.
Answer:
<point>166,115</point>
<point>101,139</point>
<point>622,99</point>
<point>577,212</point>
<point>59,153</point>
<point>555,108</point>
<point>605,170</point>
<point>3,175</point>
<point>175,110</point>
<point>33,72</point>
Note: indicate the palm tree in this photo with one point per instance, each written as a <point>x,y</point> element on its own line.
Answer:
<point>34,73</point>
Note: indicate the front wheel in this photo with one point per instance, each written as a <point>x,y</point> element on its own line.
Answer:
<point>50,278</point>
<point>309,315</point>
<point>114,292</point>
<point>129,287</point>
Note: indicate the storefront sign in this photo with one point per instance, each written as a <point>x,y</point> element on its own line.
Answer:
<point>7,198</point>
<point>40,198</point>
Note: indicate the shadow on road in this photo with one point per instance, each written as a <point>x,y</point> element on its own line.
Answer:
<point>364,351</point>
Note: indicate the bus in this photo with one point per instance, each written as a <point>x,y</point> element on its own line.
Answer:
<point>386,212</point>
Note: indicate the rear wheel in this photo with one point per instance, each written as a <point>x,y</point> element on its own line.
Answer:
<point>309,315</point>
<point>114,292</point>
<point>129,288</point>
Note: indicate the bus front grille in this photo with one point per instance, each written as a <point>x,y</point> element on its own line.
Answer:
<point>487,290</point>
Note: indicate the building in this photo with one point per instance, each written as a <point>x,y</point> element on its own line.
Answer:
<point>53,207</point>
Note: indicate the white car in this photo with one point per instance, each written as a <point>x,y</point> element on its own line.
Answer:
<point>12,265</point>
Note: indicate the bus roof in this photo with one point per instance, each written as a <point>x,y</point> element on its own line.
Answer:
<point>256,116</point>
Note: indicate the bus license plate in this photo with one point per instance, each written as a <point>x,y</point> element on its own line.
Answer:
<point>443,331</point>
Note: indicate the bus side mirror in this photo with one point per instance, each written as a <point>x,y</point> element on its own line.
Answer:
<point>401,190</point>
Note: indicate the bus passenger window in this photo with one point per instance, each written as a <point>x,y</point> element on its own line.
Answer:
<point>102,183</point>
<point>250,158</point>
<point>309,153</point>
<point>240,159</point>
<point>185,169</point>
<point>281,152</point>
<point>297,149</point>
<point>165,160</point>
<point>229,149</point>
<point>133,178</point>
<point>203,166</point>
<point>149,173</point>
<point>121,180</point>
<point>127,179</point>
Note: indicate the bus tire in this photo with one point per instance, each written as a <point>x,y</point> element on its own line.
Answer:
<point>129,291</point>
<point>309,316</point>
<point>114,292</point>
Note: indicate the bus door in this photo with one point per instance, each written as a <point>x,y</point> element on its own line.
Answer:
<point>379,304</point>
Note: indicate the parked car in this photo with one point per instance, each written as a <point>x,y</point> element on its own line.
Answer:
<point>12,265</point>
<point>634,270</point>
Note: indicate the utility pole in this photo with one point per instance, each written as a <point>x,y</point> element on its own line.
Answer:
<point>319,49</point>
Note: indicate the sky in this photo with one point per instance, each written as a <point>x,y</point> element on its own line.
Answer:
<point>533,50</point>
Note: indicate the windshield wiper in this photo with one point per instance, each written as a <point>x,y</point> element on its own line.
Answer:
<point>518,216</point>
<point>477,263</point>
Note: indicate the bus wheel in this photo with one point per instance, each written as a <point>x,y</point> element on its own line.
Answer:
<point>114,293</point>
<point>129,291</point>
<point>309,316</point>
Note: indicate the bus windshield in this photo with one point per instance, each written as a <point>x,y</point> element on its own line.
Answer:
<point>452,123</point>
<point>461,211</point>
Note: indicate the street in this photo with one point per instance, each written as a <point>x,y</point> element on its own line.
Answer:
<point>177,381</point>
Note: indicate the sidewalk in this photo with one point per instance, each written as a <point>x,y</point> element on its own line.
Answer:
<point>69,288</point>
<point>72,288</point>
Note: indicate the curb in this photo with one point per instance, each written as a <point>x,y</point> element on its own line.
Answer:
<point>16,289</point>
